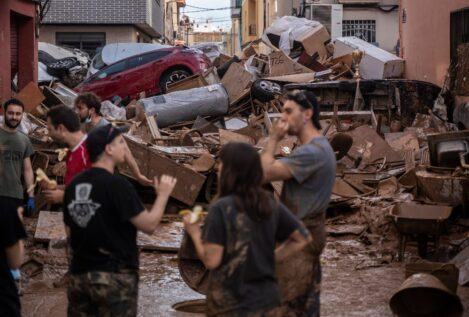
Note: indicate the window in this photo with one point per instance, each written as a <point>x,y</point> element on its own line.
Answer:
<point>85,41</point>
<point>113,69</point>
<point>146,58</point>
<point>363,29</point>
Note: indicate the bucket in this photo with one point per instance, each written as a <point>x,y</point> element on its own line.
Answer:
<point>424,295</point>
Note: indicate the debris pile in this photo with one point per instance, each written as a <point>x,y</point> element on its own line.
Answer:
<point>398,162</point>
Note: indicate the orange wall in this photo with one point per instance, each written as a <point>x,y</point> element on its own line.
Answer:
<point>425,37</point>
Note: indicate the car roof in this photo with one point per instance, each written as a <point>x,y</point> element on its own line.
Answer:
<point>169,48</point>
<point>112,53</point>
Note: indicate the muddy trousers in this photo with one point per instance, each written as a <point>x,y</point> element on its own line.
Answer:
<point>103,294</point>
<point>299,278</point>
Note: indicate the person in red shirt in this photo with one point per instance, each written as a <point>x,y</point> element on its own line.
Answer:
<point>63,126</point>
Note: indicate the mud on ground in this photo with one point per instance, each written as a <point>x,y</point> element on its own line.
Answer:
<point>360,274</point>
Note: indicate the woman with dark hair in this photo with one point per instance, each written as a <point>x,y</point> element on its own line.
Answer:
<point>238,241</point>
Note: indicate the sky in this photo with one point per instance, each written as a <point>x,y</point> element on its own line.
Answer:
<point>220,18</point>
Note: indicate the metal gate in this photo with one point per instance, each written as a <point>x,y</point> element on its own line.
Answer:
<point>459,30</point>
<point>14,40</point>
<point>363,29</point>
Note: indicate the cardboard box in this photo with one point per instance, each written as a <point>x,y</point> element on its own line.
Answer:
<point>280,64</point>
<point>314,40</point>
<point>311,35</point>
<point>376,64</point>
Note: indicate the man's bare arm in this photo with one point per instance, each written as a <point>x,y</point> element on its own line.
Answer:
<point>28,176</point>
<point>273,169</point>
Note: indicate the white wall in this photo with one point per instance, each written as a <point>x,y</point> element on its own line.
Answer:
<point>387,25</point>
<point>114,34</point>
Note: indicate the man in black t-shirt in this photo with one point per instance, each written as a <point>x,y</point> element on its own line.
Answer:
<point>102,214</point>
<point>11,257</point>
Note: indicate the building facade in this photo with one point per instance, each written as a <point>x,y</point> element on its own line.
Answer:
<point>234,42</point>
<point>430,31</point>
<point>253,22</point>
<point>375,21</point>
<point>90,24</point>
<point>172,17</point>
<point>18,49</point>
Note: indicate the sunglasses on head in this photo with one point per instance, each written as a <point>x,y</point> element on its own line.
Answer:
<point>300,97</point>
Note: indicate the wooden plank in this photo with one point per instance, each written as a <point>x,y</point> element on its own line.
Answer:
<point>345,114</point>
<point>369,145</point>
<point>153,126</point>
<point>50,226</point>
<point>229,136</point>
<point>167,237</point>
<point>194,81</point>
<point>31,96</point>
<point>152,164</point>
<point>401,141</point>
<point>236,80</point>
<point>204,163</point>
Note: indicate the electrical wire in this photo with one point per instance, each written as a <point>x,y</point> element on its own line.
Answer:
<point>207,10</point>
<point>190,6</point>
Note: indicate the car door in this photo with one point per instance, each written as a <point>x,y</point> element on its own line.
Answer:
<point>107,82</point>
<point>140,75</point>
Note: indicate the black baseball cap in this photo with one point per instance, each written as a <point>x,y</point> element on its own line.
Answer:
<point>99,137</point>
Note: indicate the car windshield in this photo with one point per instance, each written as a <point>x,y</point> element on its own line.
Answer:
<point>98,62</point>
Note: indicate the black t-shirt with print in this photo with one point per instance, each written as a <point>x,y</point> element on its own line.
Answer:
<point>11,231</point>
<point>97,208</point>
<point>245,280</point>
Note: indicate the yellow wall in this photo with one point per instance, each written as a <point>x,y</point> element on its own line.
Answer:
<point>252,12</point>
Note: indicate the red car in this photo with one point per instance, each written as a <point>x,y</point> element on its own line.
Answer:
<point>149,72</point>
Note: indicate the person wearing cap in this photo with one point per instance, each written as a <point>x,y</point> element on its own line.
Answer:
<point>309,175</point>
<point>88,107</point>
<point>63,125</point>
<point>102,213</point>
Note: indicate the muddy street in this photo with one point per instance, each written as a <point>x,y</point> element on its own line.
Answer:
<point>358,280</point>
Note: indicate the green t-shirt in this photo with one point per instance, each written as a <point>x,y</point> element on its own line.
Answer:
<point>14,148</point>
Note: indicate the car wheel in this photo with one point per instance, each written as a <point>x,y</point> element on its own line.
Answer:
<point>171,77</point>
<point>265,91</point>
<point>60,67</point>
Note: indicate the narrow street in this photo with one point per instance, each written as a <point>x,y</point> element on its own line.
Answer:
<point>230,153</point>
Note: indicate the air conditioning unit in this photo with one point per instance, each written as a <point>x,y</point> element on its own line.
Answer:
<point>330,15</point>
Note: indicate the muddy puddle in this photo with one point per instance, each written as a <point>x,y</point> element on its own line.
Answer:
<point>359,277</point>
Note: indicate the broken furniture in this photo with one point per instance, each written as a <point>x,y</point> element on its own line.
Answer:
<point>421,220</point>
<point>376,62</point>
